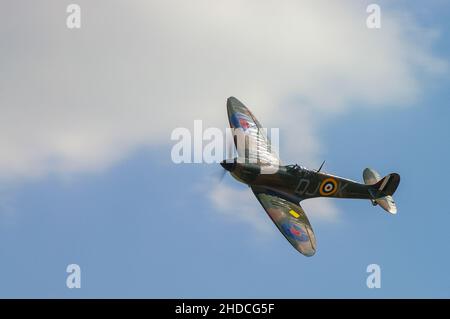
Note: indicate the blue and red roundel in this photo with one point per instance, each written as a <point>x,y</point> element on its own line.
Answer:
<point>243,121</point>
<point>294,231</point>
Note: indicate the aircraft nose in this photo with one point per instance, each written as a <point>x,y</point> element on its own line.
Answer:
<point>228,165</point>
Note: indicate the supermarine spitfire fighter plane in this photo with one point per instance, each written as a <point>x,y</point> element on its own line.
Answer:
<point>281,191</point>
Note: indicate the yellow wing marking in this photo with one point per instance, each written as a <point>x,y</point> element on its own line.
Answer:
<point>294,213</point>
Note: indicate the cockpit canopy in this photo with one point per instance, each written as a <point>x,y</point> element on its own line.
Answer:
<point>294,167</point>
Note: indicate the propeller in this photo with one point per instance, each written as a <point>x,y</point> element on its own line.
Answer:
<point>229,152</point>
<point>223,172</point>
<point>229,140</point>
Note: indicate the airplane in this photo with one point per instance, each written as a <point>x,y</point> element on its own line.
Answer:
<point>281,191</point>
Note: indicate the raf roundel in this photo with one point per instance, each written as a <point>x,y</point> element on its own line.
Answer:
<point>328,187</point>
<point>243,121</point>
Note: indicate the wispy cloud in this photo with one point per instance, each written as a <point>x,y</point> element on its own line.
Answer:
<point>240,205</point>
<point>81,100</point>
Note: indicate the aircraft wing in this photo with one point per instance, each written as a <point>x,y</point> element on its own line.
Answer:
<point>290,219</point>
<point>244,123</point>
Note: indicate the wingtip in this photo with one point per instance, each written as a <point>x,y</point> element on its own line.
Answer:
<point>309,253</point>
<point>234,101</point>
<point>307,250</point>
<point>231,99</point>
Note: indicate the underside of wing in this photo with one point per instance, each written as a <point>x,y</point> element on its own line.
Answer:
<point>254,144</point>
<point>290,219</point>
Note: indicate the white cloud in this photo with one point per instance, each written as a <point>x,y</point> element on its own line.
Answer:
<point>320,209</point>
<point>80,100</point>
<point>238,205</point>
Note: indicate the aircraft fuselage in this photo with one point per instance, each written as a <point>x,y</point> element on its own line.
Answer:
<point>298,183</point>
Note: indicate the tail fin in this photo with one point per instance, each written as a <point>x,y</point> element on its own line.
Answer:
<point>387,186</point>
<point>382,189</point>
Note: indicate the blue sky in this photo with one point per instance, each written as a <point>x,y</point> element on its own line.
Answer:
<point>140,226</point>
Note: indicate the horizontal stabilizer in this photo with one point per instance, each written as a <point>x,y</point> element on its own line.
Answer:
<point>387,203</point>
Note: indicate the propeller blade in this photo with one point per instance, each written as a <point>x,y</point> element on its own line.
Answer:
<point>229,140</point>
<point>224,172</point>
